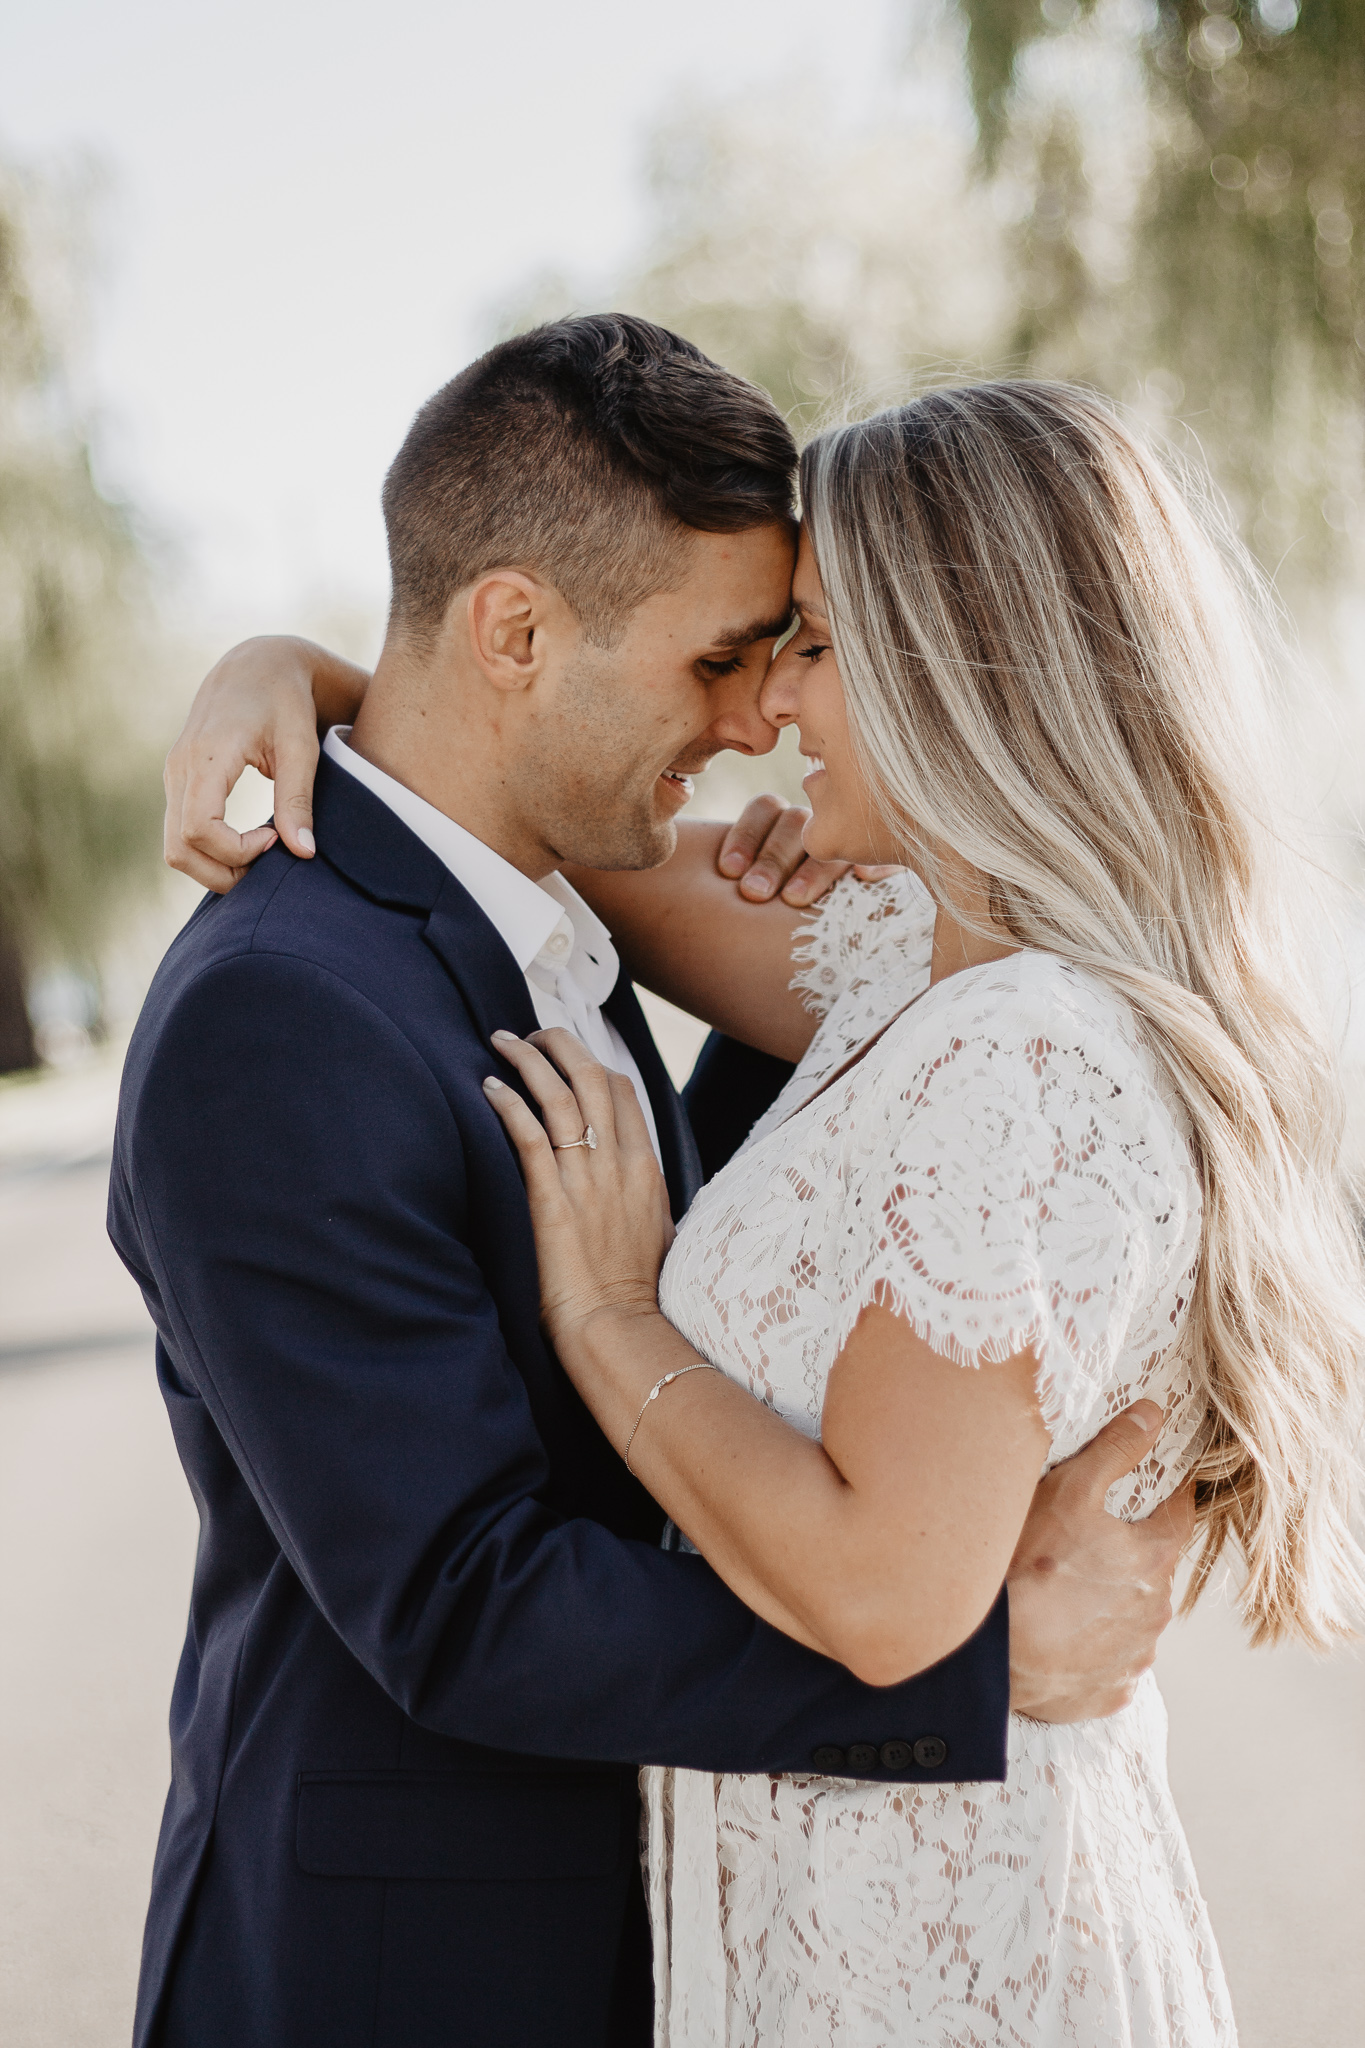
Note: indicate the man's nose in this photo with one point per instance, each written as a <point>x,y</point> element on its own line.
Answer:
<point>743,725</point>
<point>779,699</point>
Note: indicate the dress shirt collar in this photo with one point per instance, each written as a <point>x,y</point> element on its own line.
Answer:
<point>546,924</point>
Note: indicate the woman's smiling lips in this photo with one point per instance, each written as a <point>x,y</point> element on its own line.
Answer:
<point>816,769</point>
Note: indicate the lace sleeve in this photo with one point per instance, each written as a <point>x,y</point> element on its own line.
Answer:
<point>862,933</point>
<point>1024,1183</point>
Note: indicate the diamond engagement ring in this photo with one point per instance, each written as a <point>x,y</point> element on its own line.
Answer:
<point>589,1138</point>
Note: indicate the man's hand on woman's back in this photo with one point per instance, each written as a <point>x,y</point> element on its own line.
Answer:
<point>1089,1594</point>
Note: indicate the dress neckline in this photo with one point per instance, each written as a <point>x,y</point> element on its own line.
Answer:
<point>856,1058</point>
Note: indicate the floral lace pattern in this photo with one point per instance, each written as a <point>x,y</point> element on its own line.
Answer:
<point>1006,1168</point>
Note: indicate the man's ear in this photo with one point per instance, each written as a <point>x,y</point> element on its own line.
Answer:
<point>506,613</point>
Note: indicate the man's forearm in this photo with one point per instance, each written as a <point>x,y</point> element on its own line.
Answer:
<point>684,931</point>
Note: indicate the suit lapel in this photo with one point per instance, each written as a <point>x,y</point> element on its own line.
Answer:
<point>476,957</point>
<point>375,850</point>
<point>495,991</point>
<point>681,1162</point>
<point>361,837</point>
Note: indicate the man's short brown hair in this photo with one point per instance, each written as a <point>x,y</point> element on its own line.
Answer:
<point>582,452</point>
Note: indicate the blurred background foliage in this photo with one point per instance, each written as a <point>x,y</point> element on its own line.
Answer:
<point>1158,197</point>
<point>79,782</point>
<point>1225,276</point>
<point>1159,201</point>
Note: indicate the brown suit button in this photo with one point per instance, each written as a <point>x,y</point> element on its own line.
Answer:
<point>862,1756</point>
<point>827,1757</point>
<point>930,1752</point>
<point>895,1754</point>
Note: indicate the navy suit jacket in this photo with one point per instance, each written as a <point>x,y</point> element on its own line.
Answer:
<point>431,1633</point>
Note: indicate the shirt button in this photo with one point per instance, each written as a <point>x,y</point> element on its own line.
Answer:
<point>862,1756</point>
<point>827,1757</point>
<point>930,1752</point>
<point>895,1754</point>
<point>558,944</point>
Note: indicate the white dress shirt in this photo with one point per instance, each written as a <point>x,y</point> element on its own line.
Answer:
<point>562,947</point>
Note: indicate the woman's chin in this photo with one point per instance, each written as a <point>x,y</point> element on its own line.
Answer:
<point>822,841</point>
<point>812,841</point>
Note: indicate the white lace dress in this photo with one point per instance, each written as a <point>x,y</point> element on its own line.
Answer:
<point>1006,1169</point>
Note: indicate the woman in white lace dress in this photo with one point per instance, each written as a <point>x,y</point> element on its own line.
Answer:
<point>1063,1124</point>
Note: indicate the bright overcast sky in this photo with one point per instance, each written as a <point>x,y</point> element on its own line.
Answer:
<point>314,210</point>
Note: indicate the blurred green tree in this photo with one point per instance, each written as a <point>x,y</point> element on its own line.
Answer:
<point>822,264</point>
<point>79,792</point>
<point>1240,293</point>
<point>1157,199</point>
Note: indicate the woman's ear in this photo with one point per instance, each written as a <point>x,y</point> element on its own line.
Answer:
<point>505,611</point>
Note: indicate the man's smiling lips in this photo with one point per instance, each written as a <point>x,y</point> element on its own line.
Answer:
<point>678,784</point>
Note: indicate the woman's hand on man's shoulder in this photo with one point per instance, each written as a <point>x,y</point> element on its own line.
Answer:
<point>259,707</point>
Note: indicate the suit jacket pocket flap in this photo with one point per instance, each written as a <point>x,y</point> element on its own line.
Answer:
<point>481,1827</point>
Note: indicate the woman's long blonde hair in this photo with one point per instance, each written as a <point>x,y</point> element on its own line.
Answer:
<point>1054,671</point>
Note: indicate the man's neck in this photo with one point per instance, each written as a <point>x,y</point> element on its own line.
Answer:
<point>410,727</point>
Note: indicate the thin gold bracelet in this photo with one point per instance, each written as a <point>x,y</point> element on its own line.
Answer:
<point>678,1373</point>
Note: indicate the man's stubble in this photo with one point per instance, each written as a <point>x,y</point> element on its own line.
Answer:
<point>588,779</point>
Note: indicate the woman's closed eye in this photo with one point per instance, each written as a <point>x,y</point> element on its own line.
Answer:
<point>812,654</point>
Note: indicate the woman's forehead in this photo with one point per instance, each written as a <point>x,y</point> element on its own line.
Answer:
<point>807,592</point>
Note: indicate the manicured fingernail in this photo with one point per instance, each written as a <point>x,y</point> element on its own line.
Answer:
<point>510,1036</point>
<point>270,842</point>
<point>306,839</point>
<point>757,885</point>
<point>734,862</point>
<point>490,1084</point>
<point>1146,1414</point>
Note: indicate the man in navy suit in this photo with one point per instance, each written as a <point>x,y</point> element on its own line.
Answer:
<point>432,1632</point>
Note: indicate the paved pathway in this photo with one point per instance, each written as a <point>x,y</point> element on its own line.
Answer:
<point>96,1546</point>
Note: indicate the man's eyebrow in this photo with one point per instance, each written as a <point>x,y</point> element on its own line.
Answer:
<point>758,629</point>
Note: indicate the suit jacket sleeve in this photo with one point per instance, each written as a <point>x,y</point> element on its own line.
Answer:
<point>305,1245</point>
<point>730,1087</point>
